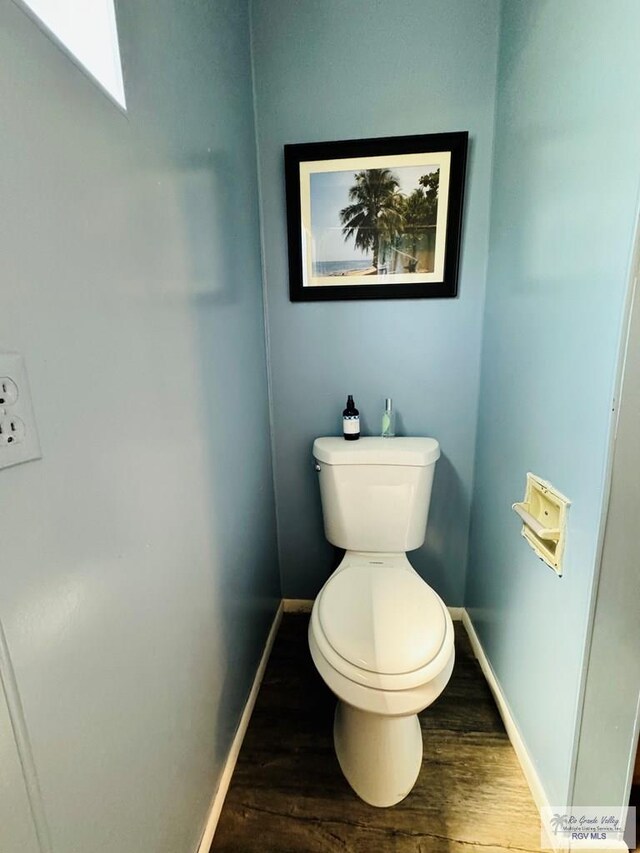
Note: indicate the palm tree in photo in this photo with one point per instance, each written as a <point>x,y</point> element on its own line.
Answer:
<point>431,184</point>
<point>418,214</point>
<point>375,211</point>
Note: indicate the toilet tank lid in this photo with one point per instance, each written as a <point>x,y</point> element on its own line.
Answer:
<point>375,450</point>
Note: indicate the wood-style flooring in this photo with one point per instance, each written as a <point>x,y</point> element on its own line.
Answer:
<point>288,793</point>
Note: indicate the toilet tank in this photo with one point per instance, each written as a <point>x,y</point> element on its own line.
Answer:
<point>375,491</point>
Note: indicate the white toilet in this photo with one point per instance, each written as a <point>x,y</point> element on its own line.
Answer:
<point>380,637</point>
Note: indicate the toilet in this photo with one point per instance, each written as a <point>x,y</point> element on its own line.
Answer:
<point>379,636</point>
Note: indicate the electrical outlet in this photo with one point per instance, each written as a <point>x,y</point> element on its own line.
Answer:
<point>18,434</point>
<point>12,431</point>
<point>8,391</point>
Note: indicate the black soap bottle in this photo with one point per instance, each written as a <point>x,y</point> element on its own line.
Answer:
<point>351,421</point>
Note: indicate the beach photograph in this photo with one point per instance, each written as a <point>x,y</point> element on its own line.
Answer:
<point>374,222</point>
<point>375,218</point>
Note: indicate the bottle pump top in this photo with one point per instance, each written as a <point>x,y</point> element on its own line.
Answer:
<point>388,404</point>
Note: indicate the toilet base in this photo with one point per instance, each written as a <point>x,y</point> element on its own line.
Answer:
<point>379,756</point>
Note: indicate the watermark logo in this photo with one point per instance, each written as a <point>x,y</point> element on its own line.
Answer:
<point>588,827</point>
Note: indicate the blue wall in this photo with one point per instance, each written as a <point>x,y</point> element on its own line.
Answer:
<point>143,570</point>
<point>329,71</point>
<point>566,179</point>
<point>139,565</point>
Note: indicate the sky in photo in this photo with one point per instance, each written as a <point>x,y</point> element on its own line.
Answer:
<point>329,194</point>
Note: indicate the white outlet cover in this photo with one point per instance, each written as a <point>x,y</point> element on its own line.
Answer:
<point>27,447</point>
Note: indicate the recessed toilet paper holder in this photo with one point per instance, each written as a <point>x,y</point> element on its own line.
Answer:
<point>543,512</point>
<point>552,534</point>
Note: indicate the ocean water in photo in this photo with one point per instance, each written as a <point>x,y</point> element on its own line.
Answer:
<point>338,267</point>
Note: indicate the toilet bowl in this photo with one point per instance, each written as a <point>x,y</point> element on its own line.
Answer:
<point>379,636</point>
<point>382,640</point>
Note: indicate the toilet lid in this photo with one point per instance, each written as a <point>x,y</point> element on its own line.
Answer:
<point>382,619</point>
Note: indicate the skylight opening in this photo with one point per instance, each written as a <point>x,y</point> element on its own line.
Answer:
<point>87,29</point>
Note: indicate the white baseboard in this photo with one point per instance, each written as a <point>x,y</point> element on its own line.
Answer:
<point>456,613</point>
<point>297,605</point>
<point>515,736</point>
<point>225,780</point>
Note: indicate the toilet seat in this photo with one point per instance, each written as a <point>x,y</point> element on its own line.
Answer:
<point>377,623</point>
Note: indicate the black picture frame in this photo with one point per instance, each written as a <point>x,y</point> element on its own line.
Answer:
<point>311,281</point>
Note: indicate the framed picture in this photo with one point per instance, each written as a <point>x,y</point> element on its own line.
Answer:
<point>375,218</point>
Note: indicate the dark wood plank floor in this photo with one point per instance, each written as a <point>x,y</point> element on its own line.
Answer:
<point>288,794</point>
